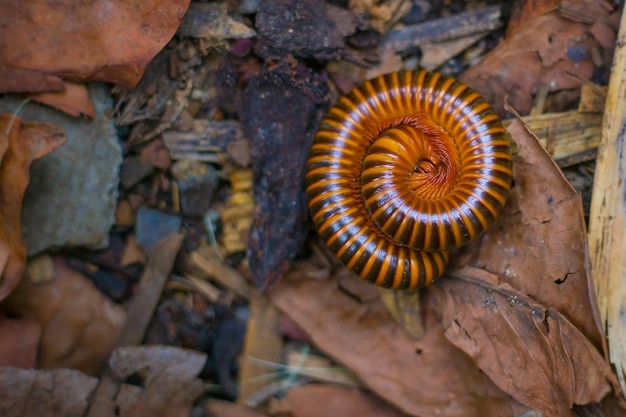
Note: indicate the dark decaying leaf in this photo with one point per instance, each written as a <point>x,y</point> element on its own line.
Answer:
<point>20,144</point>
<point>281,109</point>
<point>306,28</point>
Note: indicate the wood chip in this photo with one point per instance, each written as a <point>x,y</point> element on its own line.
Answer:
<point>236,215</point>
<point>447,28</point>
<point>263,342</point>
<point>607,218</point>
<point>208,141</point>
<point>436,54</point>
<point>569,137</point>
<point>404,307</point>
<point>592,100</point>
<point>141,307</point>
<point>201,286</point>
<point>206,261</point>
<point>40,269</point>
<point>320,368</point>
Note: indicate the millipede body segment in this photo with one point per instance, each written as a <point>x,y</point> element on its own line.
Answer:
<point>403,169</point>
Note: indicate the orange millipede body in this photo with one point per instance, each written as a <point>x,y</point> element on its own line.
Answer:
<point>403,169</point>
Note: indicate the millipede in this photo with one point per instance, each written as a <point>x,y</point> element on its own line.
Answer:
<point>403,169</point>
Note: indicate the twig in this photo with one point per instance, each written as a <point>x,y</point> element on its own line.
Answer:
<point>607,218</point>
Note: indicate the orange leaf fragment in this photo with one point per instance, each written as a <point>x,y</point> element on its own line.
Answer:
<point>73,101</point>
<point>20,144</point>
<point>109,41</point>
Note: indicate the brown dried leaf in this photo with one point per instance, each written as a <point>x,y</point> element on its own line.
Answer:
<point>590,11</point>
<point>603,34</point>
<point>20,144</point>
<point>539,245</point>
<point>110,41</point>
<point>219,408</point>
<point>18,80</point>
<point>27,392</point>
<point>528,350</point>
<point>80,325</point>
<point>426,377</point>
<point>322,400</point>
<point>526,10</point>
<point>537,54</point>
<point>170,385</point>
<point>19,342</point>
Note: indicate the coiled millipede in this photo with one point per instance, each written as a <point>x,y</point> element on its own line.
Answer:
<point>403,169</point>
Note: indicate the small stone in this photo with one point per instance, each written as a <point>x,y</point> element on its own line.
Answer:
<point>156,154</point>
<point>239,150</point>
<point>72,194</point>
<point>154,225</point>
<point>134,170</point>
<point>196,192</point>
<point>248,6</point>
<point>418,13</point>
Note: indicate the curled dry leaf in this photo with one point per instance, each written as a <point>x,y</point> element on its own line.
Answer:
<point>422,378</point>
<point>530,351</point>
<point>184,364</point>
<point>523,11</point>
<point>27,392</point>
<point>80,325</point>
<point>542,53</point>
<point>169,382</point>
<point>20,144</point>
<point>109,41</point>
<point>539,245</point>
